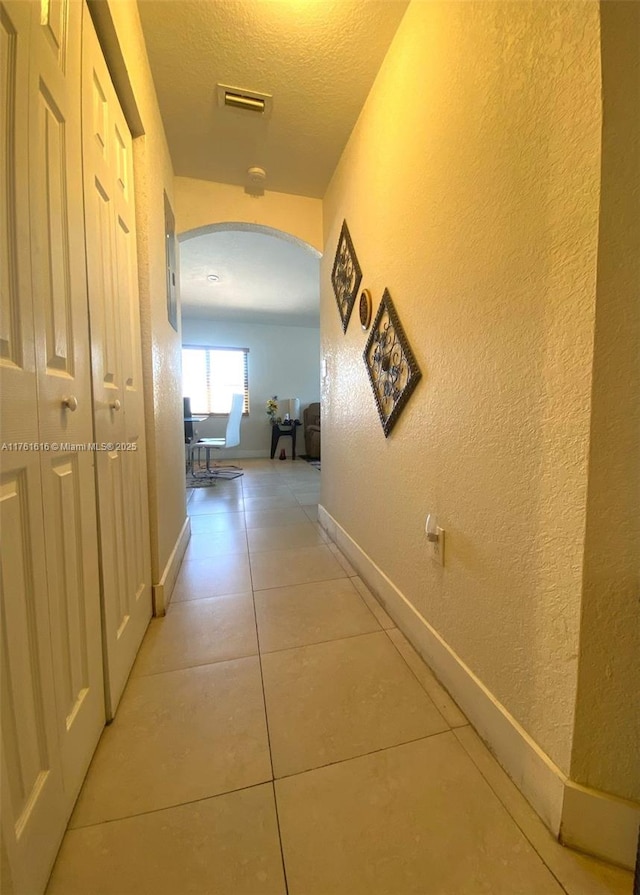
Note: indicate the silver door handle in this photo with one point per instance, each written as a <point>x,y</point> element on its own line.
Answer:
<point>115,405</point>
<point>71,403</point>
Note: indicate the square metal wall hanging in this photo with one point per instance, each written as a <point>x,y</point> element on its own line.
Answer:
<point>392,368</point>
<point>345,276</point>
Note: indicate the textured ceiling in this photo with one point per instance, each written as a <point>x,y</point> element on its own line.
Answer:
<point>318,59</point>
<point>263,278</point>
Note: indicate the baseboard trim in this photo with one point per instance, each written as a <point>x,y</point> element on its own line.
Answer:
<point>163,590</point>
<point>223,456</point>
<point>600,824</point>
<point>231,455</point>
<point>573,814</point>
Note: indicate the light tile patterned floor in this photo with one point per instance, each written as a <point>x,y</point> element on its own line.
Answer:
<point>280,735</point>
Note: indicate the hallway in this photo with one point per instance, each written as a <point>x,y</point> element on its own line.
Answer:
<point>278,734</point>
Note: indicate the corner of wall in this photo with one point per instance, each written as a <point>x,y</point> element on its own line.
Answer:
<point>125,52</point>
<point>163,590</point>
<point>607,729</point>
<point>586,819</point>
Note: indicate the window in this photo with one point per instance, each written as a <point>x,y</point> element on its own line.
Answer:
<point>210,376</point>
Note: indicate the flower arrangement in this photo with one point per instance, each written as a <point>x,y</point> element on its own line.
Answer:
<point>272,408</point>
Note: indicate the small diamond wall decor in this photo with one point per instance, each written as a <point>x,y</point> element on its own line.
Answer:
<point>345,276</point>
<point>392,368</point>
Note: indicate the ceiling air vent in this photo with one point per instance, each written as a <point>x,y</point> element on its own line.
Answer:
<point>245,100</point>
<point>239,101</point>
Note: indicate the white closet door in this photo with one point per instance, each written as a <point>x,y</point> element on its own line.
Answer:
<point>117,375</point>
<point>33,804</point>
<point>64,381</point>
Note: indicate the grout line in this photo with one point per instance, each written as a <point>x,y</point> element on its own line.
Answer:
<point>506,807</point>
<point>262,590</point>
<point>221,555</point>
<point>285,649</point>
<point>246,536</point>
<point>208,662</point>
<point>397,649</point>
<point>139,677</point>
<point>329,764</point>
<point>209,597</point>
<point>332,640</point>
<point>266,720</point>
<point>217,795</point>
<point>264,699</point>
<point>284,866</point>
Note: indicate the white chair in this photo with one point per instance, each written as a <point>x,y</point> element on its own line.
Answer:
<point>231,439</point>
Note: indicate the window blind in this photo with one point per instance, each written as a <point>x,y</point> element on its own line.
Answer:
<point>210,376</point>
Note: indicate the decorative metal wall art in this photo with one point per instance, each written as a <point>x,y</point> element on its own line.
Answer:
<point>345,276</point>
<point>364,309</point>
<point>392,368</point>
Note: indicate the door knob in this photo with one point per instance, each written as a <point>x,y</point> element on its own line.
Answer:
<point>71,403</point>
<point>115,405</point>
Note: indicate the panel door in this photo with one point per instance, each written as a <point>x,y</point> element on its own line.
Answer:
<point>64,381</point>
<point>117,373</point>
<point>32,794</point>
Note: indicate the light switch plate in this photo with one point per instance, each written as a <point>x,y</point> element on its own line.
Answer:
<point>437,547</point>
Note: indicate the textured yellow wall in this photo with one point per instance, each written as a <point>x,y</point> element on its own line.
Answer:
<point>607,739</point>
<point>471,188</point>
<point>160,342</point>
<point>200,202</point>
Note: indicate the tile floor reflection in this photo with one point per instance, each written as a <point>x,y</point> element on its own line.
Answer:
<point>279,735</point>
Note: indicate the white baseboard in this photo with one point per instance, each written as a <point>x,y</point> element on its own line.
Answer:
<point>560,803</point>
<point>163,590</point>
<point>600,824</point>
<point>231,455</point>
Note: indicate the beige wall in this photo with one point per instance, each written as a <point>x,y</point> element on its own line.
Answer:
<point>606,747</point>
<point>471,188</point>
<point>118,25</point>
<point>200,202</point>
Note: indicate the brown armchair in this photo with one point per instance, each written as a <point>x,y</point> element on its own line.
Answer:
<point>311,421</point>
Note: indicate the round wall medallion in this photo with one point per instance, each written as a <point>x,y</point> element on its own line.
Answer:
<point>365,308</point>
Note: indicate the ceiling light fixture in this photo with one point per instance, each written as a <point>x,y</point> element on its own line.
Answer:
<point>256,179</point>
<point>256,176</point>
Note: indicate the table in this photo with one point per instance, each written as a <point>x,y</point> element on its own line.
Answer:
<point>280,429</point>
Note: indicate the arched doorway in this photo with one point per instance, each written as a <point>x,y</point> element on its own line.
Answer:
<point>255,289</point>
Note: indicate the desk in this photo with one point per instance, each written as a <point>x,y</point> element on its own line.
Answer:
<point>279,429</point>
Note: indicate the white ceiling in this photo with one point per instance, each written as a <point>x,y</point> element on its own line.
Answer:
<point>318,59</point>
<point>263,278</point>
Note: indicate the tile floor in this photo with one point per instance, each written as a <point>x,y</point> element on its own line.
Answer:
<point>279,734</point>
